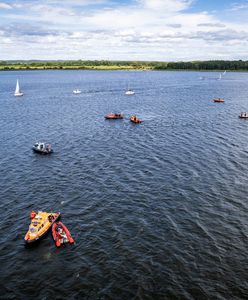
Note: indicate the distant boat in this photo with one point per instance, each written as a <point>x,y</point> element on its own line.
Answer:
<point>224,73</point>
<point>220,77</point>
<point>18,92</point>
<point>129,92</point>
<point>243,115</point>
<point>218,100</point>
<point>77,91</point>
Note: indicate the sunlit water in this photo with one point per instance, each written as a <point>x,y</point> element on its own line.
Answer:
<point>158,210</point>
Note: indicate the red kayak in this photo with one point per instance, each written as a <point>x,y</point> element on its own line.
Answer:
<point>61,234</point>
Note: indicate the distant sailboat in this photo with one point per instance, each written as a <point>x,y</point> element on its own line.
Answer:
<point>77,91</point>
<point>220,76</point>
<point>18,92</point>
<point>129,92</point>
<point>224,73</point>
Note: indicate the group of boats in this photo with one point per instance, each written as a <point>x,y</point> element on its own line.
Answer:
<point>19,93</point>
<point>243,115</point>
<point>42,222</point>
<point>116,116</point>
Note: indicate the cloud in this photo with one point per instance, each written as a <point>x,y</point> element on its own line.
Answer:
<point>138,29</point>
<point>5,6</point>
<point>216,25</point>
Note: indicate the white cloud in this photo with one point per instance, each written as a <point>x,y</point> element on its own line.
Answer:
<point>143,29</point>
<point>5,6</point>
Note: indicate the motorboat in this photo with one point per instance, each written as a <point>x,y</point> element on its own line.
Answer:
<point>135,119</point>
<point>113,116</point>
<point>218,100</point>
<point>61,234</point>
<point>42,148</point>
<point>243,115</point>
<point>18,92</point>
<point>77,91</point>
<point>41,222</point>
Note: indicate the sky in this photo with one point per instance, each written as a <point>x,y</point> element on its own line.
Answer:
<point>151,30</point>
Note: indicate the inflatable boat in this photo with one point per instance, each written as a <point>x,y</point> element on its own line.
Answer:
<point>112,116</point>
<point>61,234</point>
<point>219,100</point>
<point>135,120</point>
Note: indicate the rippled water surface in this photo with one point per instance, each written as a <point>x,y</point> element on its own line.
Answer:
<point>158,210</point>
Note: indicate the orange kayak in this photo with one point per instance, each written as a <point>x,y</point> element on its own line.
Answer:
<point>135,120</point>
<point>61,234</point>
<point>41,222</point>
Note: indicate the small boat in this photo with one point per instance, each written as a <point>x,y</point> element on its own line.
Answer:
<point>41,222</point>
<point>243,115</point>
<point>112,116</point>
<point>77,91</point>
<point>42,148</point>
<point>218,100</point>
<point>129,92</point>
<point>18,92</point>
<point>135,120</point>
<point>61,234</point>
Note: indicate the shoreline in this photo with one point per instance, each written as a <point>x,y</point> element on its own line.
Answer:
<point>114,69</point>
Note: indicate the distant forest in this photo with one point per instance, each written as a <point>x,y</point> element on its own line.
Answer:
<point>234,65</point>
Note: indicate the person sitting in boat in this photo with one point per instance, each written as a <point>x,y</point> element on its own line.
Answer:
<point>50,218</point>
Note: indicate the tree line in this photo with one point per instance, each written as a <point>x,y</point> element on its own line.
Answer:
<point>233,65</point>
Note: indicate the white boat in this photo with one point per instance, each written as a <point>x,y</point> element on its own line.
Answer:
<point>77,91</point>
<point>224,73</point>
<point>220,76</point>
<point>18,92</point>
<point>129,92</point>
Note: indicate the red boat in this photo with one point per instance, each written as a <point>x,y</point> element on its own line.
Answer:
<point>135,120</point>
<point>61,234</point>
<point>112,116</point>
<point>219,100</point>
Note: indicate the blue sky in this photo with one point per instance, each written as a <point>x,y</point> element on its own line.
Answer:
<point>165,30</point>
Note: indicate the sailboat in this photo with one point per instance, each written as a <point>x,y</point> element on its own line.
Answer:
<point>220,76</point>
<point>224,73</point>
<point>77,91</point>
<point>18,92</point>
<point>129,92</point>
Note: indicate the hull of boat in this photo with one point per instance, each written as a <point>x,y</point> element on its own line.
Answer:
<point>56,237</point>
<point>18,94</point>
<point>112,117</point>
<point>42,151</point>
<point>43,227</point>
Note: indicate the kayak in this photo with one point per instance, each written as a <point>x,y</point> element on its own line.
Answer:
<point>41,222</point>
<point>61,234</point>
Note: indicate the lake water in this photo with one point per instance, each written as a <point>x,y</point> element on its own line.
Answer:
<point>158,210</point>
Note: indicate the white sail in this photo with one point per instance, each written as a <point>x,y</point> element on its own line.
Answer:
<point>17,90</point>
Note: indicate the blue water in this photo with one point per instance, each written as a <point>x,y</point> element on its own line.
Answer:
<point>158,210</point>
